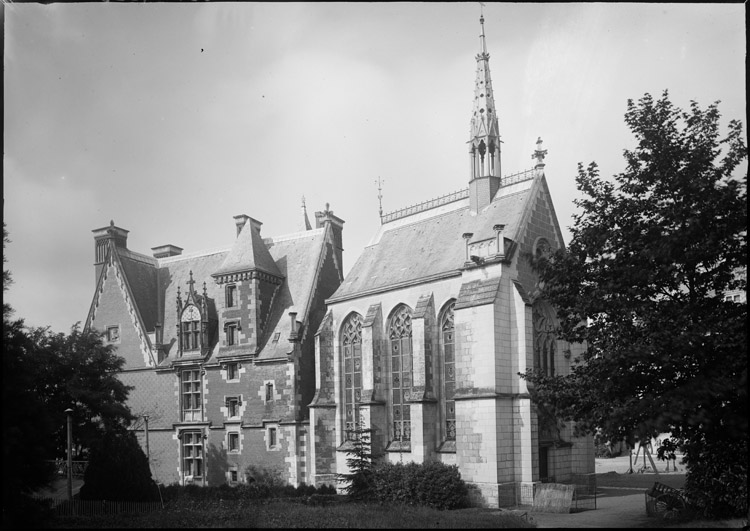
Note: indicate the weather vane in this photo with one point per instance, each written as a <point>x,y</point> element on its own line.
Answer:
<point>380,182</point>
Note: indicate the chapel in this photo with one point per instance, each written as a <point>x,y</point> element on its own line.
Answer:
<point>263,357</point>
<point>423,341</point>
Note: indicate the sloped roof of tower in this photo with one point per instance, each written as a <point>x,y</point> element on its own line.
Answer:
<point>484,120</point>
<point>248,253</point>
<point>430,245</point>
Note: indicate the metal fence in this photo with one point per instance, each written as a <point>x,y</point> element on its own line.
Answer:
<point>61,467</point>
<point>65,507</point>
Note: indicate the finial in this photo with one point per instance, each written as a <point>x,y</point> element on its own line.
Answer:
<point>483,49</point>
<point>191,281</point>
<point>539,154</point>
<point>304,207</point>
<point>111,222</point>
<point>380,182</point>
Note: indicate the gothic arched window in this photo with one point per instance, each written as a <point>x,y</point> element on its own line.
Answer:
<point>447,402</point>
<point>544,338</point>
<point>399,333</point>
<point>351,354</point>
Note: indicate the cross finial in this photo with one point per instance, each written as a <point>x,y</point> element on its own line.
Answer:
<point>380,182</point>
<point>539,154</point>
<point>191,281</point>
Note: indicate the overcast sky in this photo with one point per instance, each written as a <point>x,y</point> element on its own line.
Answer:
<point>171,118</point>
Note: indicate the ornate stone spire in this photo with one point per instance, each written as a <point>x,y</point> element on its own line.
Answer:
<point>484,138</point>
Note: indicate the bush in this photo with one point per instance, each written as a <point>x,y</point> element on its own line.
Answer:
<point>431,484</point>
<point>118,470</point>
<point>195,496</point>
<point>716,481</point>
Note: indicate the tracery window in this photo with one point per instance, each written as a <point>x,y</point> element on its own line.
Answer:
<point>191,328</point>
<point>447,402</point>
<point>399,332</point>
<point>544,339</point>
<point>351,348</point>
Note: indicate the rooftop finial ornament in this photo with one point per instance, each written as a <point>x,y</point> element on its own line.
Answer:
<point>539,154</point>
<point>380,182</point>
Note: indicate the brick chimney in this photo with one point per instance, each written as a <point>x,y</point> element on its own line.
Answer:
<point>102,239</point>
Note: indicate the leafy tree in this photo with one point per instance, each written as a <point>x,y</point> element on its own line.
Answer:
<point>26,422</point>
<point>118,470</point>
<point>79,371</point>
<point>642,283</point>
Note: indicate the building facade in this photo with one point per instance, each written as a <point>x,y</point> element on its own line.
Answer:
<point>262,357</point>
<point>219,346</point>
<point>424,339</point>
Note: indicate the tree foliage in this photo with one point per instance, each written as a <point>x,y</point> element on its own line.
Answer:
<point>45,373</point>
<point>642,283</point>
<point>118,470</point>
<point>79,371</point>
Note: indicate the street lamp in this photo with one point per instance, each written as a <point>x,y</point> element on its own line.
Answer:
<point>69,413</point>
<point>148,453</point>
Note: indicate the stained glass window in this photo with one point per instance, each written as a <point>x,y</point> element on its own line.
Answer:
<point>351,348</point>
<point>448,404</point>
<point>399,333</point>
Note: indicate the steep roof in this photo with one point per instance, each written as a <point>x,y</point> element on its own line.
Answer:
<point>248,253</point>
<point>430,244</point>
<point>294,258</point>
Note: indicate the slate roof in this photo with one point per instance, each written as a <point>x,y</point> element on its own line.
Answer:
<point>430,244</point>
<point>294,258</point>
<point>248,253</point>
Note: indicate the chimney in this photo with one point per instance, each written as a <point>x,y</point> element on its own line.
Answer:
<point>241,219</point>
<point>102,237</point>
<point>165,251</point>
<point>337,227</point>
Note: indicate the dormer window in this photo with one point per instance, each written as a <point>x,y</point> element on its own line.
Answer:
<point>191,328</point>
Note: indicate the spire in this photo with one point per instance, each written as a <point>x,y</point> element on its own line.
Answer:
<point>305,220</point>
<point>484,138</point>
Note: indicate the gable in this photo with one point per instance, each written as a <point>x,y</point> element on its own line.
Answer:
<point>113,305</point>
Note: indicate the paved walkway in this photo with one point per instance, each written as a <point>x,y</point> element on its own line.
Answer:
<point>615,506</point>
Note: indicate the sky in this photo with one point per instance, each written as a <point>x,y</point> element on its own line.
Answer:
<point>171,118</point>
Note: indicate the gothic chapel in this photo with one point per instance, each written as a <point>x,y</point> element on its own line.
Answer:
<point>263,357</point>
<point>424,339</point>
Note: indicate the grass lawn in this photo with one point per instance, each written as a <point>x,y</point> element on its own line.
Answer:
<point>280,514</point>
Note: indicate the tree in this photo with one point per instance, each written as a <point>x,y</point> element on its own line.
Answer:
<point>26,422</point>
<point>79,371</point>
<point>642,283</point>
<point>118,470</point>
<point>360,461</point>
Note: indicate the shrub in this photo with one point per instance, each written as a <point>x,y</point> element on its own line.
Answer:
<point>118,470</point>
<point>716,482</point>
<point>431,484</point>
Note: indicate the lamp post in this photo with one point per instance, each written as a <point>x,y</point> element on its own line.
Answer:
<point>69,413</point>
<point>148,453</point>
